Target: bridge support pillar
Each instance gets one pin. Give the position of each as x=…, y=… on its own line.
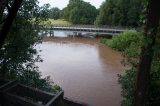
x=51, y=33
x=75, y=33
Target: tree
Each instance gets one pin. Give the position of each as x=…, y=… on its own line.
x=130, y=45
x=80, y=12
x=105, y=16
x=18, y=55
x=150, y=32
x=120, y=13
x=9, y=20
x=54, y=13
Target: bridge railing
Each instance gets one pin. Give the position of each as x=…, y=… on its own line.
x=94, y=26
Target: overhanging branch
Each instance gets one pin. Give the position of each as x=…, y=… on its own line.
x=9, y=20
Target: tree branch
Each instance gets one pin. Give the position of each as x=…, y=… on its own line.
x=9, y=20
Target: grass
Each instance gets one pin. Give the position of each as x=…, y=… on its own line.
x=57, y=22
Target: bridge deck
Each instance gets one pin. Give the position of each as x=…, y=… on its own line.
x=104, y=30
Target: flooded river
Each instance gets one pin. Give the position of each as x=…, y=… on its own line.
x=84, y=68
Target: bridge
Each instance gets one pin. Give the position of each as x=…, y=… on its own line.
x=102, y=30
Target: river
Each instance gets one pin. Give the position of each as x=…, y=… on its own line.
x=84, y=68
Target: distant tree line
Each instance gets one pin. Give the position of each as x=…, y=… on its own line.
x=111, y=12
x=121, y=13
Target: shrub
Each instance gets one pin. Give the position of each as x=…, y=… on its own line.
x=129, y=43
x=124, y=40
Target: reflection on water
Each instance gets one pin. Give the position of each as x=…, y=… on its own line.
x=84, y=68
x=61, y=34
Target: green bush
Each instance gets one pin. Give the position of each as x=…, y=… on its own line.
x=124, y=40
x=129, y=43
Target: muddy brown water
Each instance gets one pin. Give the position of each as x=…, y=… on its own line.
x=84, y=68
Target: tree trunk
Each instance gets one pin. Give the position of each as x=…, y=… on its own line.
x=3, y=4
x=144, y=68
x=9, y=20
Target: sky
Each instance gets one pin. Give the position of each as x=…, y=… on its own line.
x=63, y=3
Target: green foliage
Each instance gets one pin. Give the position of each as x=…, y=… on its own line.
x=56, y=22
x=128, y=81
x=129, y=43
x=54, y=13
x=18, y=55
x=105, y=16
x=120, y=13
x=79, y=12
x=154, y=88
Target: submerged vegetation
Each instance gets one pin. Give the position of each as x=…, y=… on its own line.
x=130, y=43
